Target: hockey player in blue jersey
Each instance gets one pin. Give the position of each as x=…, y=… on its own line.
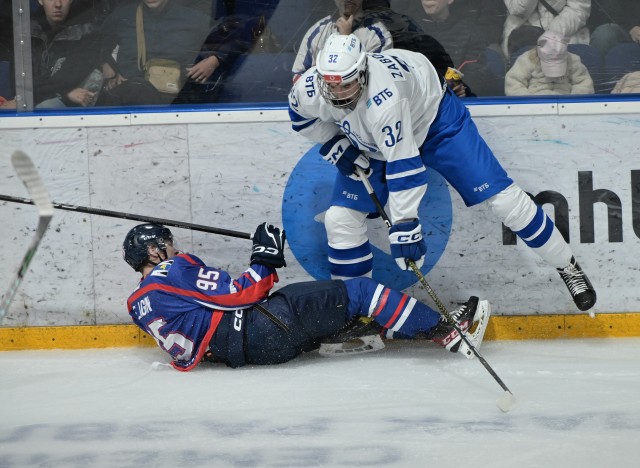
x=197, y=312
x=393, y=116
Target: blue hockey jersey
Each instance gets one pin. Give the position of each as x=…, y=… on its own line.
x=182, y=302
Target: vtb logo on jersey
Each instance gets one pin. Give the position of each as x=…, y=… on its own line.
x=162, y=269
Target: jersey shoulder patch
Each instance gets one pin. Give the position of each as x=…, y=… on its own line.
x=162, y=269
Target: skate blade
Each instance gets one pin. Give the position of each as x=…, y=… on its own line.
x=475, y=334
x=363, y=344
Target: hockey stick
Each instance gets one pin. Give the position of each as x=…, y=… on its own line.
x=133, y=217
x=28, y=174
x=507, y=401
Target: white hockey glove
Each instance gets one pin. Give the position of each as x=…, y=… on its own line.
x=407, y=243
x=268, y=246
x=341, y=153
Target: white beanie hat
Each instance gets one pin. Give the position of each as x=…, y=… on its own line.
x=553, y=53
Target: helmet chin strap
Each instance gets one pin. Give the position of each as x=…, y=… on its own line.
x=166, y=256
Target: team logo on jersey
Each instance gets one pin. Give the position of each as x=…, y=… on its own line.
x=307, y=197
x=162, y=269
x=355, y=139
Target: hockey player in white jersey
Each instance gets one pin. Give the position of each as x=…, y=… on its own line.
x=392, y=115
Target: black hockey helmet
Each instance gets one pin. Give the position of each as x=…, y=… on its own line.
x=136, y=243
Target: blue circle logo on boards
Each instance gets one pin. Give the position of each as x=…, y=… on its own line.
x=308, y=195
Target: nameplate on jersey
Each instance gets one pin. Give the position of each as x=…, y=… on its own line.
x=396, y=66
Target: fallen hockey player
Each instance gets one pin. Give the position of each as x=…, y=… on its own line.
x=197, y=312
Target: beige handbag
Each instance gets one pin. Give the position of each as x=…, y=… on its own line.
x=165, y=75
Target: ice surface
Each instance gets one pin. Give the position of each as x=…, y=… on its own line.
x=410, y=405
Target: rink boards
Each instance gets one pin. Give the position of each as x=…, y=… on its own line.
x=233, y=169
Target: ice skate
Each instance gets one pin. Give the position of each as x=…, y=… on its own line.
x=472, y=318
x=360, y=336
x=579, y=285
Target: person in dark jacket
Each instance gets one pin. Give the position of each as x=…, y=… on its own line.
x=466, y=29
x=408, y=34
x=66, y=59
x=172, y=32
x=613, y=22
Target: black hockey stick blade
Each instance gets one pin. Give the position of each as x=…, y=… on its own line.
x=133, y=217
x=29, y=176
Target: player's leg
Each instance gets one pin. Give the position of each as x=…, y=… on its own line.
x=294, y=320
x=404, y=317
x=456, y=150
x=519, y=213
x=349, y=250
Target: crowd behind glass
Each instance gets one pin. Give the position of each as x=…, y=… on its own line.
x=87, y=53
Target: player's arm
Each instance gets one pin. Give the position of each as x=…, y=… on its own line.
x=405, y=172
x=406, y=180
x=304, y=107
x=267, y=255
x=216, y=289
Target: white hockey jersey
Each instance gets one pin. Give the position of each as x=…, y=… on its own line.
x=390, y=121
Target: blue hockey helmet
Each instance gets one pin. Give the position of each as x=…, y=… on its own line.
x=135, y=248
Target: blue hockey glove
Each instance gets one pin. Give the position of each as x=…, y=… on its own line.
x=341, y=153
x=407, y=243
x=268, y=246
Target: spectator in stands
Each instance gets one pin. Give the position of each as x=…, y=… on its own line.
x=6, y=53
x=172, y=32
x=374, y=38
x=548, y=69
x=629, y=83
x=613, y=22
x=464, y=29
x=378, y=28
x=408, y=34
x=241, y=28
x=528, y=19
x=65, y=57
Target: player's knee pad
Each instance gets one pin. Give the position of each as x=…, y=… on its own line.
x=346, y=228
x=349, y=249
x=513, y=207
x=520, y=214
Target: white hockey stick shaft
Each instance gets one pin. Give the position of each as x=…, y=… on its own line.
x=29, y=176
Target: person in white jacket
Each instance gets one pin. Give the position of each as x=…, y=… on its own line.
x=375, y=37
x=629, y=83
x=524, y=16
x=548, y=69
